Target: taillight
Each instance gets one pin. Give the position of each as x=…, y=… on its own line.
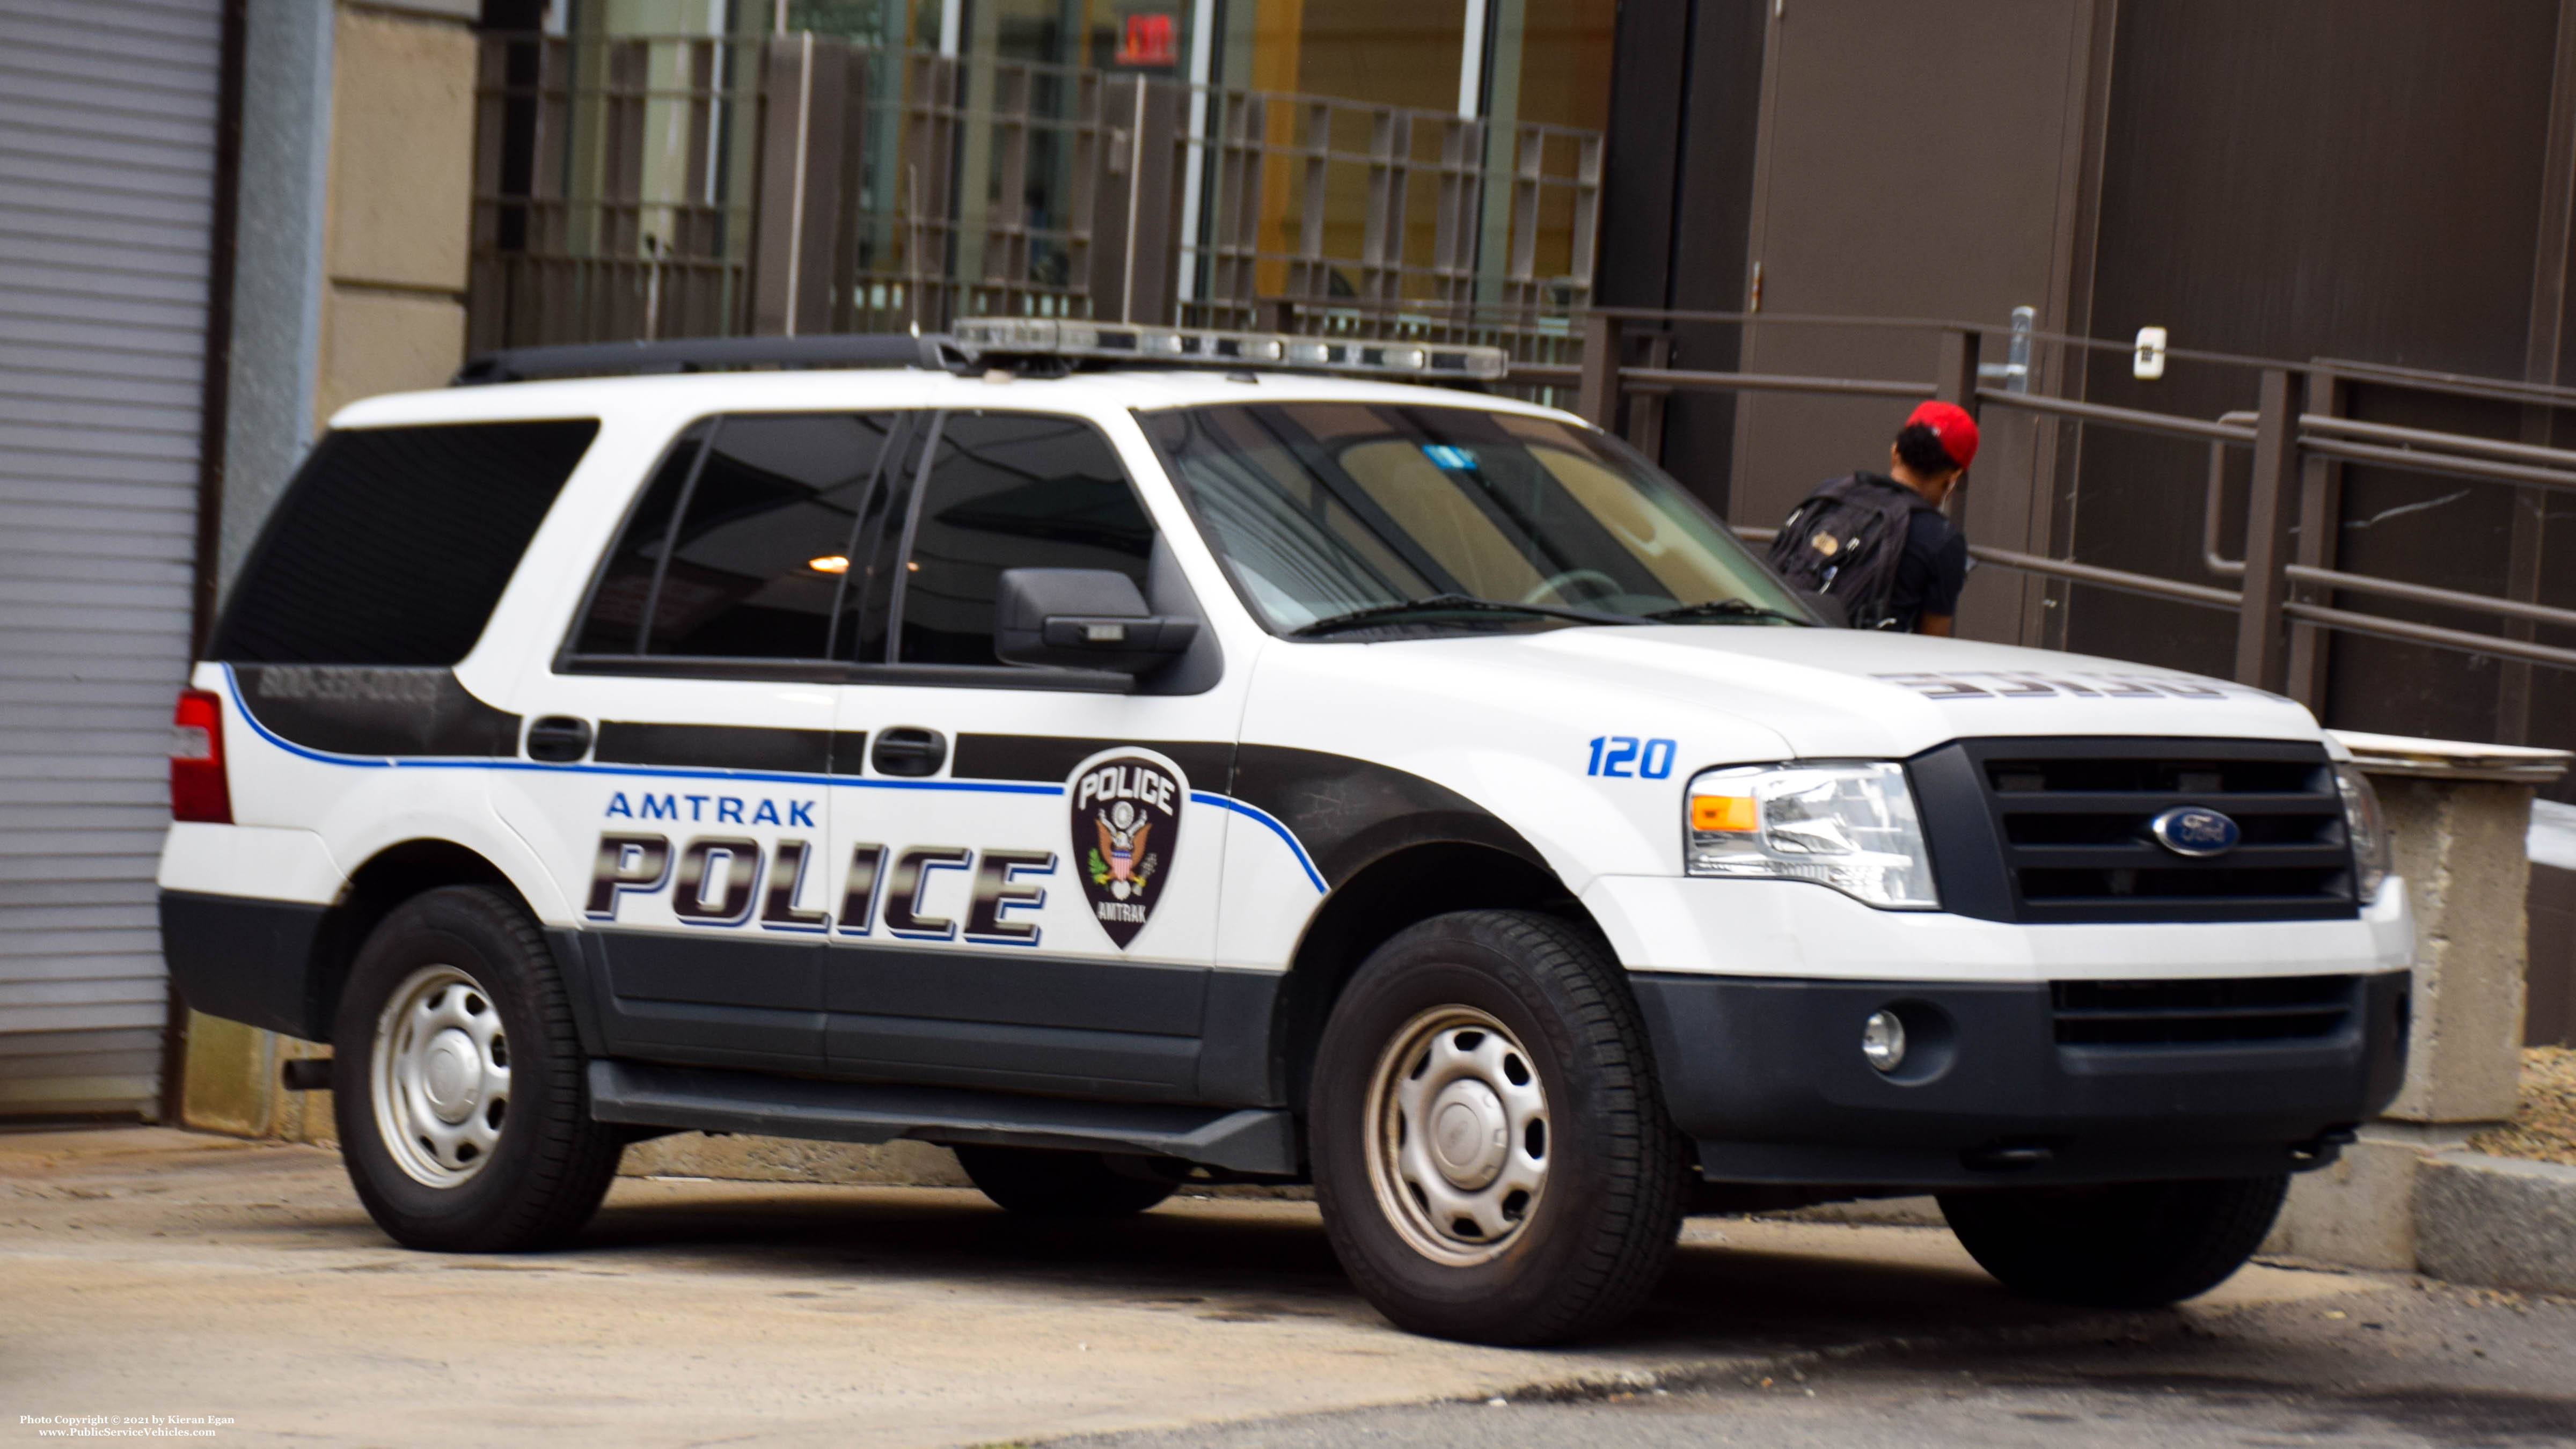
x=198, y=790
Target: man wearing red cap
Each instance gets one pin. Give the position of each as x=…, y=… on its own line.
x=1876, y=547
x=1931, y=454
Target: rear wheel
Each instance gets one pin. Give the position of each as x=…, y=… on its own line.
x=1490, y=1150
x=1044, y=1184
x=2124, y=1245
x=457, y=1081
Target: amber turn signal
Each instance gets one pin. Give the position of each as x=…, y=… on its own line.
x=1723, y=812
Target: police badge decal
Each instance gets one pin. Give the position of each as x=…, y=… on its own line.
x=1126, y=830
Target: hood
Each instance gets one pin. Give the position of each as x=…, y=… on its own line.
x=1852, y=693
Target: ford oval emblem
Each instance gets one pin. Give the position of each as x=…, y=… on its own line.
x=2195, y=830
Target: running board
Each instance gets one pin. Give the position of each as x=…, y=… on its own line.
x=707, y=1100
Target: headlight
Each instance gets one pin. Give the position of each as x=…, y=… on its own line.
x=2368, y=830
x=1847, y=824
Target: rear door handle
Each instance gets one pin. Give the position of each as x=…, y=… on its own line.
x=558, y=739
x=908, y=752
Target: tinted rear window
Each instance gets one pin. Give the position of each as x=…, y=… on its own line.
x=392, y=544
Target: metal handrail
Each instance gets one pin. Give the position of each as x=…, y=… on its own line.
x=1675, y=379
x=2213, y=498
x=2455, y=442
x=2120, y=579
x=2460, y=639
x=2458, y=384
x=2427, y=594
x=2137, y=418
x=2409, y=459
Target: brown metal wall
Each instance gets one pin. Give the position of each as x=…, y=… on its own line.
x=2306, y=178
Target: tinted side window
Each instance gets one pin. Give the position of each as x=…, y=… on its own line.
x=392, y=544
x=614, y=623
x=1005, y=491
x=741, y=544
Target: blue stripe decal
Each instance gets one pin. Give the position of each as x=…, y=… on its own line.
x=1255, y=812
x=995, y=787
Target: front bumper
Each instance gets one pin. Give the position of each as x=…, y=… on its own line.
x=1766, y=1075
x=1788, y=928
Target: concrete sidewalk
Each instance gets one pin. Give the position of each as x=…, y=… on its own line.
x=159, y=1272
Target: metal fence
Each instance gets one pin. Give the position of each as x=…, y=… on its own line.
x=650, y=186
x=2285, y=600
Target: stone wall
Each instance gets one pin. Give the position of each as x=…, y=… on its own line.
x=2459, y=815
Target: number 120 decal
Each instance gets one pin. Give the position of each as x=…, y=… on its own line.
x=1625, y=757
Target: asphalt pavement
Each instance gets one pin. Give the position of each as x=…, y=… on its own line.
x=2421, y=1364
x=147, y=1272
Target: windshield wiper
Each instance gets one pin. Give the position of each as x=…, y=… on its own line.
x=1445, y=603
x=1724, y=609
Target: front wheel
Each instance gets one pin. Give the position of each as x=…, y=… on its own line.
x=1490, y=1151
x=2124, y=1245
x=457, y=1081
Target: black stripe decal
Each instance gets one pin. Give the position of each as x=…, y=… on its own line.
x=1051, y=758
x=1348, y=812
x=719, y=747
x=385, y=711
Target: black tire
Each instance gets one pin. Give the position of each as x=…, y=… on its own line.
x=1590, y=1242
x=1043, y=1184
x=2127, y=1245
x=547, y=1164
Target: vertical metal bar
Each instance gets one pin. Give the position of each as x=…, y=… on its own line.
x=1597, y=392
x=1587, y=217
x=1646, y=410
x=1954, y=380
x=1529, y=172
x=2262, y=645
x=839, y=273
x=781, y=169
x=1382, y=234
x=1006, y=236
x=1135, y=194
x=1310, y=276
x=2526, y=544
x=1453, y=248
x=2320, y=517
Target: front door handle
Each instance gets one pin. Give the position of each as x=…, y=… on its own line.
x=558, y=739
x=908, y=751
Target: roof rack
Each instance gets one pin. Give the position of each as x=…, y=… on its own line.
x=1120, y=343
x=1035, y=343
x=706, y=354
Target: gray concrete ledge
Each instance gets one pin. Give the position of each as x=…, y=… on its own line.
x=2497, y=1222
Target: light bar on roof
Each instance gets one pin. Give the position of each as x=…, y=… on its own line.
x=977, y=337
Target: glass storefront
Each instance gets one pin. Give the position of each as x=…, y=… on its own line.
x=1434, y=153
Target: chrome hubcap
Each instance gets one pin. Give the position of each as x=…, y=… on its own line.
x=440, y=1077
x=1458, y=1127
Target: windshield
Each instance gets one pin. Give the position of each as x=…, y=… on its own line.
x=1334, y=514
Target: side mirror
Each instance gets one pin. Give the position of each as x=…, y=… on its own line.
x=1084, y=619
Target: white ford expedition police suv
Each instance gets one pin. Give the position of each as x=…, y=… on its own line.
x=1136, y=757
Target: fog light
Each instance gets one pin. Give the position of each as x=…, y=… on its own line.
x=1882, y=1041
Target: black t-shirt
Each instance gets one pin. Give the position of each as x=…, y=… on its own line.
x=1933, y=570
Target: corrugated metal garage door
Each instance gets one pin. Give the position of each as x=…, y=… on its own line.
x=107, y=163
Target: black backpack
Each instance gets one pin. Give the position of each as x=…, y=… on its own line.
x=1844, y=543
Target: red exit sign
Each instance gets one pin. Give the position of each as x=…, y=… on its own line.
x=1147, y=40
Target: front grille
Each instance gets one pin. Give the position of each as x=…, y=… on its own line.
x=2201, y=1013
x=2066, y=834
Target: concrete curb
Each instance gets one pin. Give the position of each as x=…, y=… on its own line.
x=2498, y=1222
